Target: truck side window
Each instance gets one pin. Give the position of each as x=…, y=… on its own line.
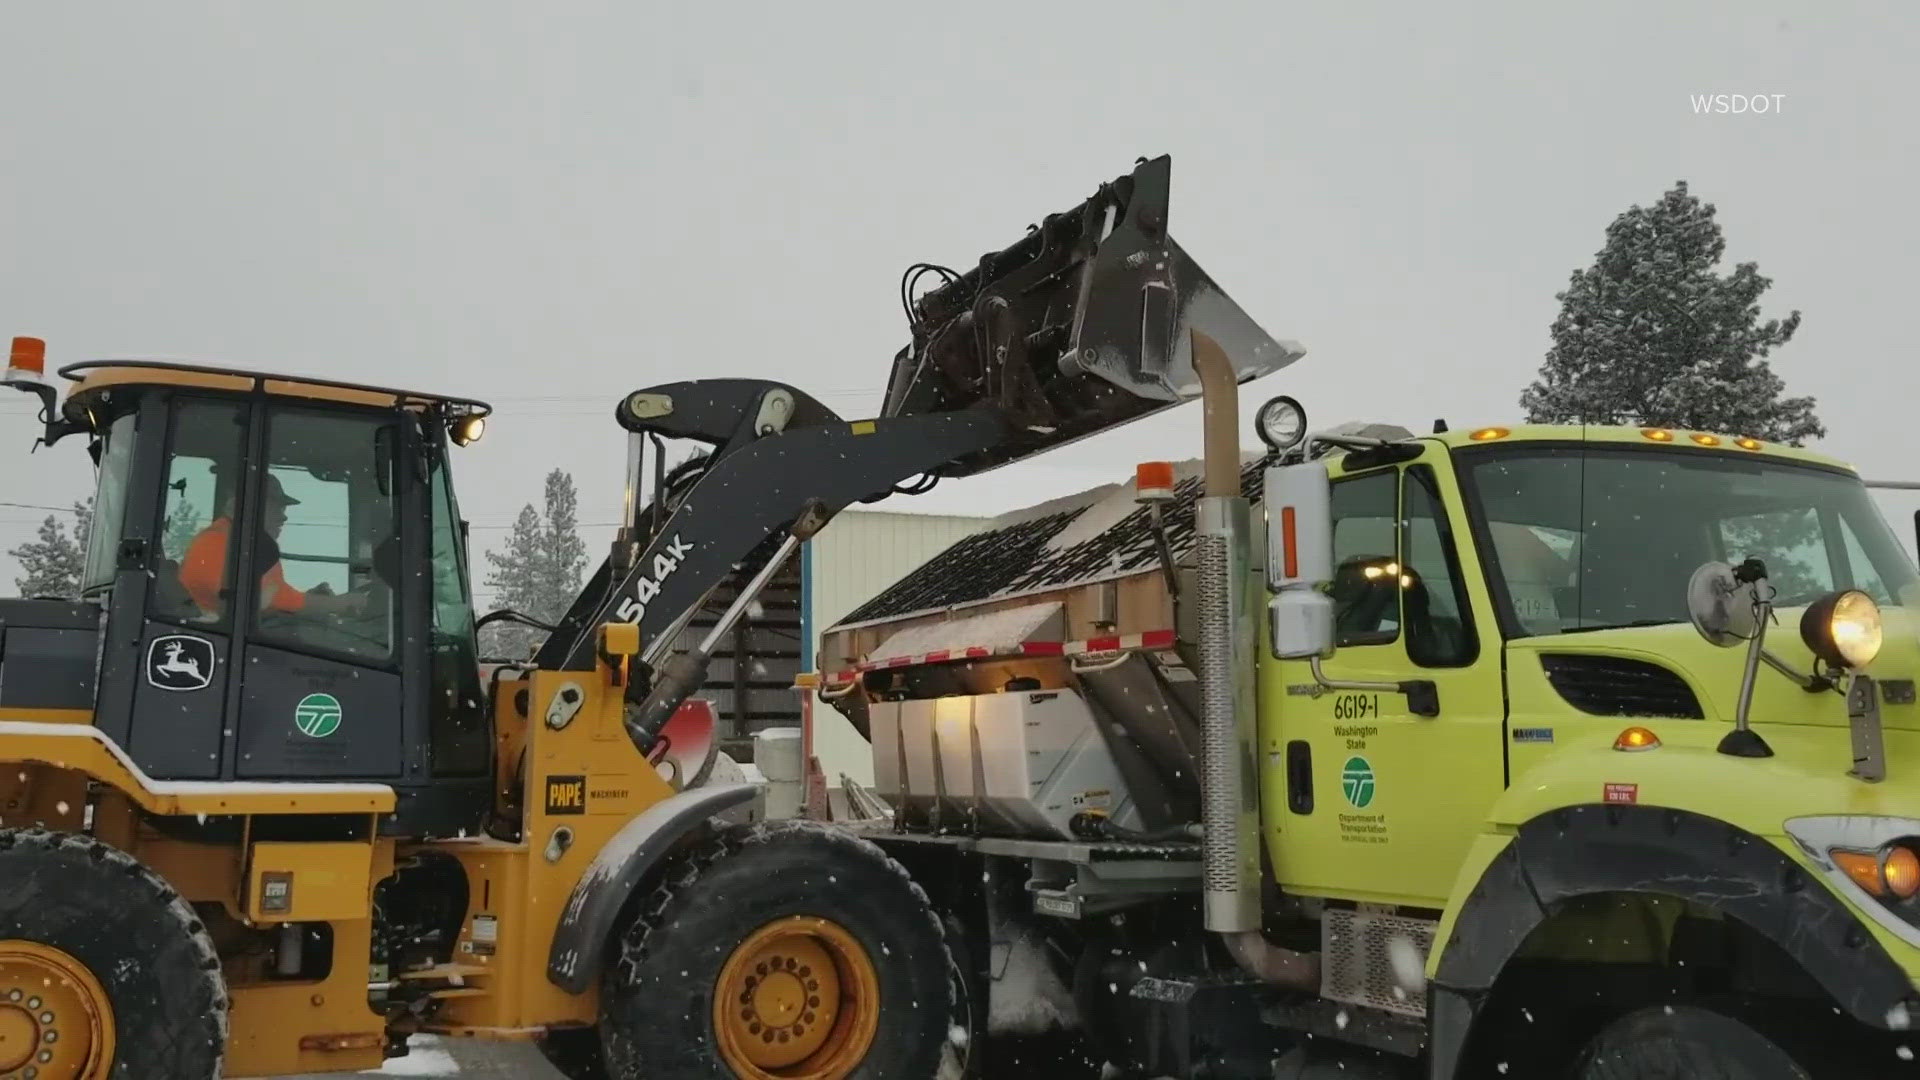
x=1366, y=591
x=1439, y=622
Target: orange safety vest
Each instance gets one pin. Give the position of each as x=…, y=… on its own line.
x=203, y=571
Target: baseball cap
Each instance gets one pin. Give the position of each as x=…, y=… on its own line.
x=275, y=493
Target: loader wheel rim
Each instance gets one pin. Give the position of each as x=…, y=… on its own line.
x=799, y=999
x=56, y=1022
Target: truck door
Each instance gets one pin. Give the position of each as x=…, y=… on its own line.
x=1363, y=798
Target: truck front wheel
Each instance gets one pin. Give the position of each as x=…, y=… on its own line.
x=783, y=952
x=1684, y=1042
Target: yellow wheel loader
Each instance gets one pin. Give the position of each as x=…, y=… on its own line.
x=261, y=812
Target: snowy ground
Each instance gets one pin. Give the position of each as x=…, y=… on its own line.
x=463, y=1059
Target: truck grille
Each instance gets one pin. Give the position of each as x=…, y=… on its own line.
x=1375, y=960
x=1618, y=686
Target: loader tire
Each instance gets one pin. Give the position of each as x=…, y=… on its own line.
x=790, y=951
x=105, y=972
x=575, y=1053
x=1684, y=1042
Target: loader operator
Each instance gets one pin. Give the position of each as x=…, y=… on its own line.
x=203, y=569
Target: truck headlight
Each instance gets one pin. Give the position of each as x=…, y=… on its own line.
x=1281, y=423
x=1843, y=628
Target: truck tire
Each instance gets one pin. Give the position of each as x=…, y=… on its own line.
x=979, y=1055
x=787, y=951
x=104, y=970
x=1684, y=1042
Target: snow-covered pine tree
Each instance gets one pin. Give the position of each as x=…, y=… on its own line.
x=564, y=555
x=184, y=522
x=515, y=581
x=1651, y=334
x=537, y=571
x=51, y=563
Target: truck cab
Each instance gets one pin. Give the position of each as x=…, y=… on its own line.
x=1538, y=578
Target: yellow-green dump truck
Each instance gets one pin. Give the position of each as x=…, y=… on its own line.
x=1531, y=751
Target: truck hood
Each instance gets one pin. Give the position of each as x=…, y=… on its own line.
x=1714, y=673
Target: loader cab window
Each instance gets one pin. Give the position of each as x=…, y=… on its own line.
x=461, y=741
x=204, y=446
x=326, y=552
x=109, y=506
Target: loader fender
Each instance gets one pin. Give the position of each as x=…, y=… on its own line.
x=1586, y=850
x=580, y=940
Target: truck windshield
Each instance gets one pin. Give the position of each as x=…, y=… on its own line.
x=1590, y=538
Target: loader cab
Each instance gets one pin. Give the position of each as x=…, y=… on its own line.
x=285, y=581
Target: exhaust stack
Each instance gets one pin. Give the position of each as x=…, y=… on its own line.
x=1230, y=854
x=1231, y=861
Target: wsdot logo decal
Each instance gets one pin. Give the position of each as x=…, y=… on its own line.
x=317, y=716
x=1356, y=781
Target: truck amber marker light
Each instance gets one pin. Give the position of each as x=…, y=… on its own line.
x=1488, y=434
x=1657, y=434
x=1893, y=871
x=1637, y=738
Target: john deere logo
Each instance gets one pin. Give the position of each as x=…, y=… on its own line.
x=1356, y=779
x=317, y=716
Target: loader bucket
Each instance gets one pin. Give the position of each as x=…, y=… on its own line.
x=1084, y=324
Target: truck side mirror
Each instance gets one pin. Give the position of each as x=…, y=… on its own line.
x=1299, y=505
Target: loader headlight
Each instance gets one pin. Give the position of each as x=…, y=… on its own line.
x=1282, y=423
x=1843, y=628
x=467, y=430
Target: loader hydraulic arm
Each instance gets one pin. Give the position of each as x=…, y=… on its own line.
x=1082, y=325
x=781, y=484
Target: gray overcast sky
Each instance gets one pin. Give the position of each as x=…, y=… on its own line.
x=550, y=205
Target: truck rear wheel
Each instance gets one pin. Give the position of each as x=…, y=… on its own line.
x=1684, y=1042
x=105, y=972
x=780, y=952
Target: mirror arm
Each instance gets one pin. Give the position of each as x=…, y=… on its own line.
x=1812, y=684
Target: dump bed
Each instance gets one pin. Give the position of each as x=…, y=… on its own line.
x=1074, y=575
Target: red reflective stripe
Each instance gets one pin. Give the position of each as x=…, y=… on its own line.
x=1287, y=543
x=1158, y=639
